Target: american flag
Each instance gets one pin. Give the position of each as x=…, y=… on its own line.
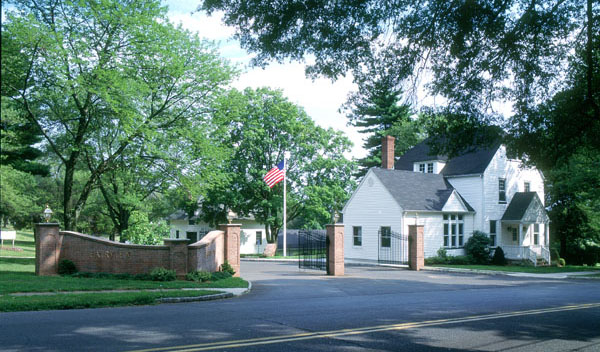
x=274, y=175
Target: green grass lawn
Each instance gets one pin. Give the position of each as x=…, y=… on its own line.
x=24, y=241
x=524, y=269
x=90, y=300
x=18, y=275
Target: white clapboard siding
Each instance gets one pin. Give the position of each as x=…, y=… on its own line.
x=371, y=206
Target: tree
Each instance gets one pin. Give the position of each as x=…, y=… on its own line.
x=260, y=126
x=18, y=201
x=377, y=110
x=80, y=70
x=470, y=53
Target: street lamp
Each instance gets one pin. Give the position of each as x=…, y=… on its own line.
x=336, y=217
x=47, y=213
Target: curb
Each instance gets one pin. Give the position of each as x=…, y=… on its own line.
x=467, y=271
x=205, y=298
x=269, y=260
x=195, y=299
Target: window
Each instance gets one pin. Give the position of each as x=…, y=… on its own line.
x=192, y=222
x=176, y=233
x=502, y=190
x=454, y=230
x=493, y=233
x=258, y=238
x=357, y=235
x=536, y=234
x=430, y=168
x=386, y=236
x=527, y=187
x=422, y=168
x=514, y=234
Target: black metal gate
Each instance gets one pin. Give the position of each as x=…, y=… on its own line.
x=313, y=249
x=393, y=247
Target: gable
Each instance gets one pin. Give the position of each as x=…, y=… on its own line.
x=526, y=207
x=370, y=192
x=455, y=204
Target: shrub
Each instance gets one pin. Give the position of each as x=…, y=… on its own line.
x=226, y=267
x=498, y=258
x=198, y=276
x=220, y=275
x=442, y=253
x=162, y=274
x=561, y=262
x=459, y=260
x=554, y=255
x=142, y=231
x=66, y=267
x=478, y=248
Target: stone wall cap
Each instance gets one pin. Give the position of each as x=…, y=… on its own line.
x=176, y=239
x=47, y=224
x=112, y=243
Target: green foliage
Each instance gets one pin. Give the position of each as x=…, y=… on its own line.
x=19, y=202
x=561, y=262
x=141, y=231
x=442, y=253
x=122, y=88
x=162, y=274
x=554, y=255
x=198, y=276
x=260, y=126
x=478, y=248
x=66, y=267
x=220, y=275
x=498, y=258
x=450, y=260
x=227, y=268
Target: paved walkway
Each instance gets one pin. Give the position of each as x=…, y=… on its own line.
x=233, y=291
x=564, y=275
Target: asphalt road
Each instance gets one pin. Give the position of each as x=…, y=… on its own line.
x=369, y=309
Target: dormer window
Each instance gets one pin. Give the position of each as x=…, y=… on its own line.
x=422, y=167
x=430, y=168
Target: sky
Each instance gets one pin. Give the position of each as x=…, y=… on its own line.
x=321, y=98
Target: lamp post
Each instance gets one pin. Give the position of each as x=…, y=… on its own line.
x=47, y=213
x=336, y=217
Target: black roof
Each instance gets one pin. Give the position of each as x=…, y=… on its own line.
x=519, y=204
x=416, y=190
x=473, y=161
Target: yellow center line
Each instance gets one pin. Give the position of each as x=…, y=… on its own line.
x=358, y=331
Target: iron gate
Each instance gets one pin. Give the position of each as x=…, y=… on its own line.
x=313, y=249
x=393, y=247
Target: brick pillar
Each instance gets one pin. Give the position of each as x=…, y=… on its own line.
x=232, y=245
x=387, y=152
x=335, y=255
x=416, y=248
x=47, y=248
x=178, y=255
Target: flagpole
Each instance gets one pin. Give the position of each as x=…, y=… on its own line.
x=284, y=207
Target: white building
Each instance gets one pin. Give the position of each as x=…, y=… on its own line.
x=480, y=190
x=252, y=237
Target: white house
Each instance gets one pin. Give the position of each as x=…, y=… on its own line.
x=480, y=190
x=252, y=237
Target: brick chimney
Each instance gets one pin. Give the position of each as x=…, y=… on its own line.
x=387, y=152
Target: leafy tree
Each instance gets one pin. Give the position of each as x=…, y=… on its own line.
x=81, y=70
x=142, y=231
x=18, y=202
x=260, y=126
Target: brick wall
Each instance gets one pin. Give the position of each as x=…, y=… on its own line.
x=94, y=254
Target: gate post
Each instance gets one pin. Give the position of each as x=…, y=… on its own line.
x=335, y=250
x=232, y=245
x=416, y=253
x=47, y=248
